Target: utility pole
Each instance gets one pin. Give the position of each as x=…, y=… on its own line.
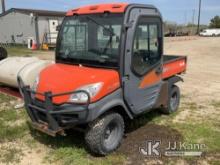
x=198, y=29
x=193, y=16
x=193, y=30
x=3, y=5
x=185, y=17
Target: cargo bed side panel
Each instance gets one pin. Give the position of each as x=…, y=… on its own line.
x=174, y=67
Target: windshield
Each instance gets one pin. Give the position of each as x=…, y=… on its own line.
x=90, y=40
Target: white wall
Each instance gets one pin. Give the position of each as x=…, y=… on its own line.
x=43, y=25
x=19, y=25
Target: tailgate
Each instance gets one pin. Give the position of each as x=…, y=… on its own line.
x=173, y=65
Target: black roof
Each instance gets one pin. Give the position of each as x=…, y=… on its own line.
x=34, y=11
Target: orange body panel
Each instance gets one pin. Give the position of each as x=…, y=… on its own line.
x=60, y=78
x=172, y=68
x=150, y=79
x=100, y=8
x=169, y=69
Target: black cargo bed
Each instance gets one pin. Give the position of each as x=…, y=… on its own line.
x=172, y=58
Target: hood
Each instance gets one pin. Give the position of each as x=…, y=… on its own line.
x=61, y=78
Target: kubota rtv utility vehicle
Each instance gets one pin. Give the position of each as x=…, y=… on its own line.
x=109, y=67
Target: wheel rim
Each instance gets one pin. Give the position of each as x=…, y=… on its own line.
x=111, y=135
x=174, y=101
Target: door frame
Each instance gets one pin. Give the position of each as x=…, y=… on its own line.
x=148, y=11
x=160, y=42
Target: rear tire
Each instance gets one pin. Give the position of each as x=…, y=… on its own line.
x=173, y=100
x=104, y=135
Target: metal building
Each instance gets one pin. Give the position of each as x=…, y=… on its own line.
x=22, y=25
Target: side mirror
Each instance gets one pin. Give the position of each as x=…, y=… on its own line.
x=58, y=28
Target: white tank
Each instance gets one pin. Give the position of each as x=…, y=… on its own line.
x=27, y=68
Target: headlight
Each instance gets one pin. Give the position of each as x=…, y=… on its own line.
x=36, y=82
x=82, y=97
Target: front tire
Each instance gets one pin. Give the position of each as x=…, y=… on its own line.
x=104, y=135
x=173, y=100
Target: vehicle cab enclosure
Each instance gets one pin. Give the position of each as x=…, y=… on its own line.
x=108, y=58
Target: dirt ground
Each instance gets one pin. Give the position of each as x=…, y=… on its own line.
x=200, y=106
x=202, y=81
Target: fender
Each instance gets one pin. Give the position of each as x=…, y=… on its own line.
x=173, y=80
x=109, y=102
x=164, y=91
x=112, y=104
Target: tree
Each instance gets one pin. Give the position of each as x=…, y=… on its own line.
x=215, y=22
x=170, y=26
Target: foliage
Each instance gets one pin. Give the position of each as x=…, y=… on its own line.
x=215, y=22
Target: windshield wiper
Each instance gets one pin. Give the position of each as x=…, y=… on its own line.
x=105, y=28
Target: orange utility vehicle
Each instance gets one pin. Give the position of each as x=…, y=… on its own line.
x=109, y=68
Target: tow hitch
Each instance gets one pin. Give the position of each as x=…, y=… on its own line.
x=45, y=129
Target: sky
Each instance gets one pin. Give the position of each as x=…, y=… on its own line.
x=172, y=10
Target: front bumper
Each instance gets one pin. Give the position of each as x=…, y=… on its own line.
x=50, y=118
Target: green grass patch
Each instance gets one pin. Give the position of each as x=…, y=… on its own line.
x=10, y=129
x=18, y=51
x=191, y=105
x=202, y=134
x=214, y=162
x=5, y=98
x=12, y=133
x=8, y=115
x=215, y=103
x=79, y=156
x=68, y=155
x=10, y=155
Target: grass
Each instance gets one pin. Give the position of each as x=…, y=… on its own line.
x=200, y=133
x=71, y=149
x=10, y=155
x=8, y=116
x=18, y=51
x=5, y=98
x=215, y=103
x=10, y=131
x=215, y=162
x=206, y=132
x=21, y=51
x=8, y=134
x=74, y=156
